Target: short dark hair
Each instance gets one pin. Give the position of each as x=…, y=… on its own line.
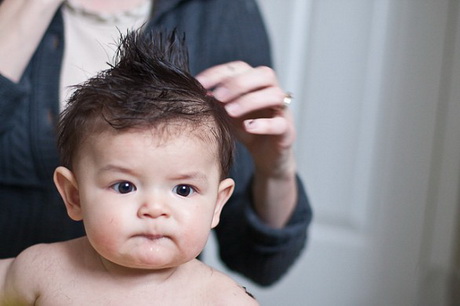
x=148, y=87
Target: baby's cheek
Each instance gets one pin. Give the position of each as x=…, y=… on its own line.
x=104, y=243
x=103, y=232
x=194, y=242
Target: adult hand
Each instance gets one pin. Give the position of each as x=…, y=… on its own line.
x=254, y=99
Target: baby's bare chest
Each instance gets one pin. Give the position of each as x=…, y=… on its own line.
x=89, y=293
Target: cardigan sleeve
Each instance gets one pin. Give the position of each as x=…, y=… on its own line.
x=250, y=247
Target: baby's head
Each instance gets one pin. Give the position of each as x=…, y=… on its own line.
x=146, y=151
x=148, y=87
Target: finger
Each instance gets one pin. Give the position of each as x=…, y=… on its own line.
x=276, y=126
x=271, y=97
x=266, y=126
x=215, y=75
x=244, y=82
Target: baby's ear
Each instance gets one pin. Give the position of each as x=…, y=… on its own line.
x=226, y=188
x=67, y=186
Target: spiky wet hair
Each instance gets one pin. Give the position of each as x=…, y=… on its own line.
x=149, y=86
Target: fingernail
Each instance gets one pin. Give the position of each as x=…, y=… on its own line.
x=249, y=123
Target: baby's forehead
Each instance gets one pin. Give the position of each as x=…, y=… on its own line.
x=163, y=133
x=203, y=133
x=141, y=153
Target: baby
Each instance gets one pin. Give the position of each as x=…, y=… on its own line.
x=145, y=156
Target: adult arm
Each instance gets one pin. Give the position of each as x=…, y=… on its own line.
x=264, y=226
x=22, y=25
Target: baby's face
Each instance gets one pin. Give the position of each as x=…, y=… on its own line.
x=149, y=204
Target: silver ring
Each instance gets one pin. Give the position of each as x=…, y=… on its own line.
x=287, y=99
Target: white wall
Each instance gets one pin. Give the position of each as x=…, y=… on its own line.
x=378, y=114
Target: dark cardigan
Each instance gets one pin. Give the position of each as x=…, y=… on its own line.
x=31, y=211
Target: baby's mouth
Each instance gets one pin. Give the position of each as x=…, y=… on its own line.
x=150, y=236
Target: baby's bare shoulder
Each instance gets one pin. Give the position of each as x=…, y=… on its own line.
x=24, y=276
x=223, y=290
x=51, y=260
x=46, y=257
x=33, y=260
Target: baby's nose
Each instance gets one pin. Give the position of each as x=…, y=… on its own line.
x=153, y=206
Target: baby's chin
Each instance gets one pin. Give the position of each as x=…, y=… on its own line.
x=137, y=266
x=149, y=261
x=148, y=253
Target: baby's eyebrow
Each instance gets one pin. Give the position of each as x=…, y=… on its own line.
x=190, y=176
x=115, y=168
x=193, y=175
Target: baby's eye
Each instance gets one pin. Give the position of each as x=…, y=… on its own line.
x=124, y=187
x=183, y=190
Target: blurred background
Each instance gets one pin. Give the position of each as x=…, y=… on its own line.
x=377, y=106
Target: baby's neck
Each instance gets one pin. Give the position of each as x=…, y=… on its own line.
x=127, y=274
x=121, y=274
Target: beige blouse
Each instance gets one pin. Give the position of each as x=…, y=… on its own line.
x=91, y=40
